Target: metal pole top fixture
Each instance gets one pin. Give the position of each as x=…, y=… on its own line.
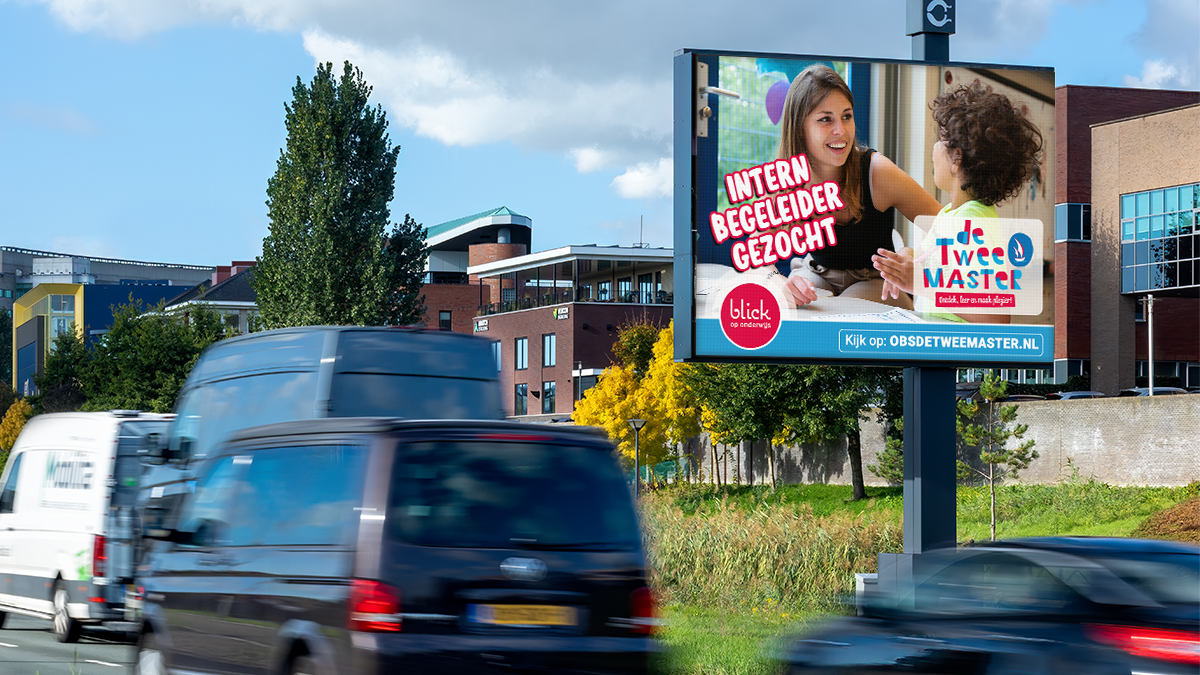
x=930, y=23
x=637, y=423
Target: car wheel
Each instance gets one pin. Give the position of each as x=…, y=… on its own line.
x=66, y=629
x=302, y=665
x=150, y=657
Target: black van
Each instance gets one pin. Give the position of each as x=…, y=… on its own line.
x=314, y=372
x=373, y=545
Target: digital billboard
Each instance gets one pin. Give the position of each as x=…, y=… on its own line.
x=848, y=211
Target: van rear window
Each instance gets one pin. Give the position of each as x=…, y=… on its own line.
x=413, y=396
x=477, y=494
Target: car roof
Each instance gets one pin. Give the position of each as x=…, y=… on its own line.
x=1142, y=391
x=1097, y=545
x=379, y=425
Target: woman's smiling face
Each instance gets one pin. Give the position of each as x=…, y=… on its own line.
x=829, y=130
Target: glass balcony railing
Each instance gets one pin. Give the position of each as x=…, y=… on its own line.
x=565, y=295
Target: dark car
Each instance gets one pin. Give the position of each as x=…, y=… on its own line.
x=378, y=545
x=1047, y=605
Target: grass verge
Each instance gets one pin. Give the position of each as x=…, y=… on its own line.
x=738, y=569
x=702, y=641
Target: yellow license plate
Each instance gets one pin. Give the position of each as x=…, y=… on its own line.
x=525, y=615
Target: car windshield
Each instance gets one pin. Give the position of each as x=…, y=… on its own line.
x=503, y=494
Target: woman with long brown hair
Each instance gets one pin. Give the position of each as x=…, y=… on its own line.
x=818, y=122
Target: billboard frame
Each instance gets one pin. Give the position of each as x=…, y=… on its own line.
x=691, y=150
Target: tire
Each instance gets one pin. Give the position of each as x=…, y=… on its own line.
x=66, y=629
x=302, y=665
x=150, y=659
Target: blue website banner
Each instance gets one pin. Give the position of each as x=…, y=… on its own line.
x=953, y=344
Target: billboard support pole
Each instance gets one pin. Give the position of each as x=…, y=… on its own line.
x=930, y=518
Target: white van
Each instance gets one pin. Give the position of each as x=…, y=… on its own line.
x=68, y=530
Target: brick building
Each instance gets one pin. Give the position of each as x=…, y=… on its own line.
x=1121, y=152
x=553, y=316
x=452, y=297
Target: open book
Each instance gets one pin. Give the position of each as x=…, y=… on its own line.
x=713, y=283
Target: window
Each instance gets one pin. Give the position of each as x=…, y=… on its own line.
x=646, y=288
x=207, y=413
x=206, y=514
x=330, y=477
x=521, y=403
x=522, y=351
x=604, y=291
x=624, y=289
x=496, y=351
x=1159, y=248
x=549, y=343
x=62, y=314
x=444, y=320
x=475, y=493
x=1073, y=222
x=548, y=397
x=8, y=497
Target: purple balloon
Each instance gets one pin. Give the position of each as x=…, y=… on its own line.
x=775, y=96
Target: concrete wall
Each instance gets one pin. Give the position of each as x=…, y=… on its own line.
x=1119, y=441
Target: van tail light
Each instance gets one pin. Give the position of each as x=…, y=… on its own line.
x=643, y=614
x=374, y=607
x=1180, y=646
x=99, y=557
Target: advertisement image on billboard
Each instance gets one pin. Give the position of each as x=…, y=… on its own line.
x=865, y=212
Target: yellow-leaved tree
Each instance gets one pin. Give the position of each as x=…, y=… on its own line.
x=679, y=412
x=10, y=427
x=617, y=398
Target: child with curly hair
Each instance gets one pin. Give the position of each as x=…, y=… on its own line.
x=987, y=150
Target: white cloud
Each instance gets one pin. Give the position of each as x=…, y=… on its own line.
x=591, y=82
x=591, y=159
x=646, y=180
x=1156, y=74
x=1169, y=35
x=64, y=119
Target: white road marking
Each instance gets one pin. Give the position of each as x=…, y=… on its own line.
x=103, y=663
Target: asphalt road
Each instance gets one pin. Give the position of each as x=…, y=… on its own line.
x=27, y=647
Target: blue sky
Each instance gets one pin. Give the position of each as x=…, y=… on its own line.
x=147, y=130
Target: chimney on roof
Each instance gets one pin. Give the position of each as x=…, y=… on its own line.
x=236, y=267
x=222, y=273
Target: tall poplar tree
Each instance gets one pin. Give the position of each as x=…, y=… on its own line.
x=328, y=258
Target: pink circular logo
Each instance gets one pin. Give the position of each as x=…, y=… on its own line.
x=750, y=316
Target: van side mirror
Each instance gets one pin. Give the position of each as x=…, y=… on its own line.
x=154, y=451
x=173, y=536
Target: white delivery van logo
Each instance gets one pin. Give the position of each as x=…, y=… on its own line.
x=68, y=471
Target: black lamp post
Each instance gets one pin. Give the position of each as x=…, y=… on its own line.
x=637, y=425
